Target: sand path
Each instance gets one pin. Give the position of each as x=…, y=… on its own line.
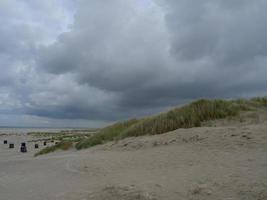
x=200, y=163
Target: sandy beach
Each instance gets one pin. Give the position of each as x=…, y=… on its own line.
x=222, y=162
x=137, y=100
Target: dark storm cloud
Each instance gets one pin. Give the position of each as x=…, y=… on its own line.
x=123, y=59
x=108, y=40
x=173, y=51
x=231, y=32
x=22, y=30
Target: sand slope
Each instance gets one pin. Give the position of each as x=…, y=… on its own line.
x=225, y=162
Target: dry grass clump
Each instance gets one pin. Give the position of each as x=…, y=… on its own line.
x=63, y=145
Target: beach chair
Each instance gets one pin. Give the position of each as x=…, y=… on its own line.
x=23, y=149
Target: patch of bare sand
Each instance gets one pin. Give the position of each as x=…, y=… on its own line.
x=222, y=162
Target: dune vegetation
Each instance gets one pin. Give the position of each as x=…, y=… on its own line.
x=106, y=134
x=187, y=116
x=63, y=145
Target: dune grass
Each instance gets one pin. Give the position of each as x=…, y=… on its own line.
x=260, y=101
x=188, y=116
x=106, y=134
x=63, y=145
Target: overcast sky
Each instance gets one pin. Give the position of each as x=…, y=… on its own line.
x=92, y=62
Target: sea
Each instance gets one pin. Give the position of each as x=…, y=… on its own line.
x=24, y=130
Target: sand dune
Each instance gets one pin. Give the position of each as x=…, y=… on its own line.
x=223, y=162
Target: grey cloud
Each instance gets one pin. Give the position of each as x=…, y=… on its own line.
x=175, y=51
x=122, y=59
x=108, y=40
x=21, y=32
x=231, y=32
